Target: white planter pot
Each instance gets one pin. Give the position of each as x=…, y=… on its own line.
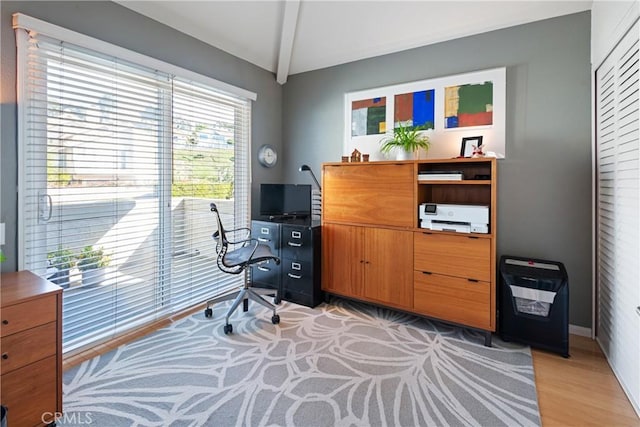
x=404, y=155
x=94, y=277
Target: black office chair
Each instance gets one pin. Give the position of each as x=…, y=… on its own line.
x=236, y=261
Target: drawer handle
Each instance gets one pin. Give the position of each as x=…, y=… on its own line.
x=5, y=322
x=295, y=245
x=473, y=280
x=296, y=266
x=473, y=237
x=264, y=230
x=294, y=276
x=261, y=268
x=262, y=239
x=296, y=234
x=427, y=272
x=427, y=232
x=5, y=356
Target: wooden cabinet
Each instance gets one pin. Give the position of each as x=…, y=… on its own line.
x=369, y=263
x=375, y=250
x=31, y=343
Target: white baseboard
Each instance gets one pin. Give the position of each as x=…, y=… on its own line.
x=580, y=330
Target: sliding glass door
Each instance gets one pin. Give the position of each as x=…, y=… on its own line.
x=118, y=166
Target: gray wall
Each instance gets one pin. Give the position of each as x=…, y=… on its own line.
x=545, y=181
x=118, y=25
x=544, y=190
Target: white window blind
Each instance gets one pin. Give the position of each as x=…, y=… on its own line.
x=618, y=211
x=118, y=165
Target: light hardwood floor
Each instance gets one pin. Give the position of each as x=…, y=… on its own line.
x=580, y=391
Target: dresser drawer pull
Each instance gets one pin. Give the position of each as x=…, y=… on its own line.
x=262, y=239
x=473, y=280
x=473, y=237
x=5, y=356
x=295, y=245
x=294, y=276
x=427, y=272
x=261, y=268
x=296, y=234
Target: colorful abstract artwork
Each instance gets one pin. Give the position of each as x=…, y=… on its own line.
x=368, y=116
x=468, y=105
x=415, y=109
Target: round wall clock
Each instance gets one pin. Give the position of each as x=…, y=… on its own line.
x=267, y=156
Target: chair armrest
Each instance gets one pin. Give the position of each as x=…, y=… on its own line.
x=246, y=238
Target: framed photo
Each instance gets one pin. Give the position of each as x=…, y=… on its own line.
x=466, y=148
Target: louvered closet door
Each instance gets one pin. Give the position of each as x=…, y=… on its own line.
x=618, y=212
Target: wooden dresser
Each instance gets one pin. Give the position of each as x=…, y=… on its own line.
x=31, y=348
x=374, y=249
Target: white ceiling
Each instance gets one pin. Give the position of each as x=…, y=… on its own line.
x=294, y=36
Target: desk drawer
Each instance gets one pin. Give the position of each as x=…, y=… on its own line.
x=29, y=346
x=26, y=315
x=30, y=391
x=454, y=299
x=296, y=243
x=267, y=233
x=460, y=256
x=297, y=276
x=266, y=272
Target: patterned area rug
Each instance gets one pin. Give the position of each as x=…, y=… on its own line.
x=340, y=364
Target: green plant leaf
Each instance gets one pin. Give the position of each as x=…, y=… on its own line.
x=407, y=138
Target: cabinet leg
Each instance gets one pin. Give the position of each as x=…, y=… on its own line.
x=487, y=339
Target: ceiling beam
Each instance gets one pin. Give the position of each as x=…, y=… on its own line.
x=289, y=23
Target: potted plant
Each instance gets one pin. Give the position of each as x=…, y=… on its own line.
x=59, y=263
x=406, y=142
x=93, y=263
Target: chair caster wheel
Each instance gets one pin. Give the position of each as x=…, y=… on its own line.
x=275, y=319
x=277, y=301
x=208, y=313
x=228, y=329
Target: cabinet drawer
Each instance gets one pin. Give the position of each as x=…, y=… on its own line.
x=26, y=315
x=29, y=346
x=297, y=275
x=266, y=272
x=296, y=243
x=460, y=256
x=454, y=299
x=267, y=233
x=30, y=391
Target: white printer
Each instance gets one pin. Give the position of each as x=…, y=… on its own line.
x=459, y=218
